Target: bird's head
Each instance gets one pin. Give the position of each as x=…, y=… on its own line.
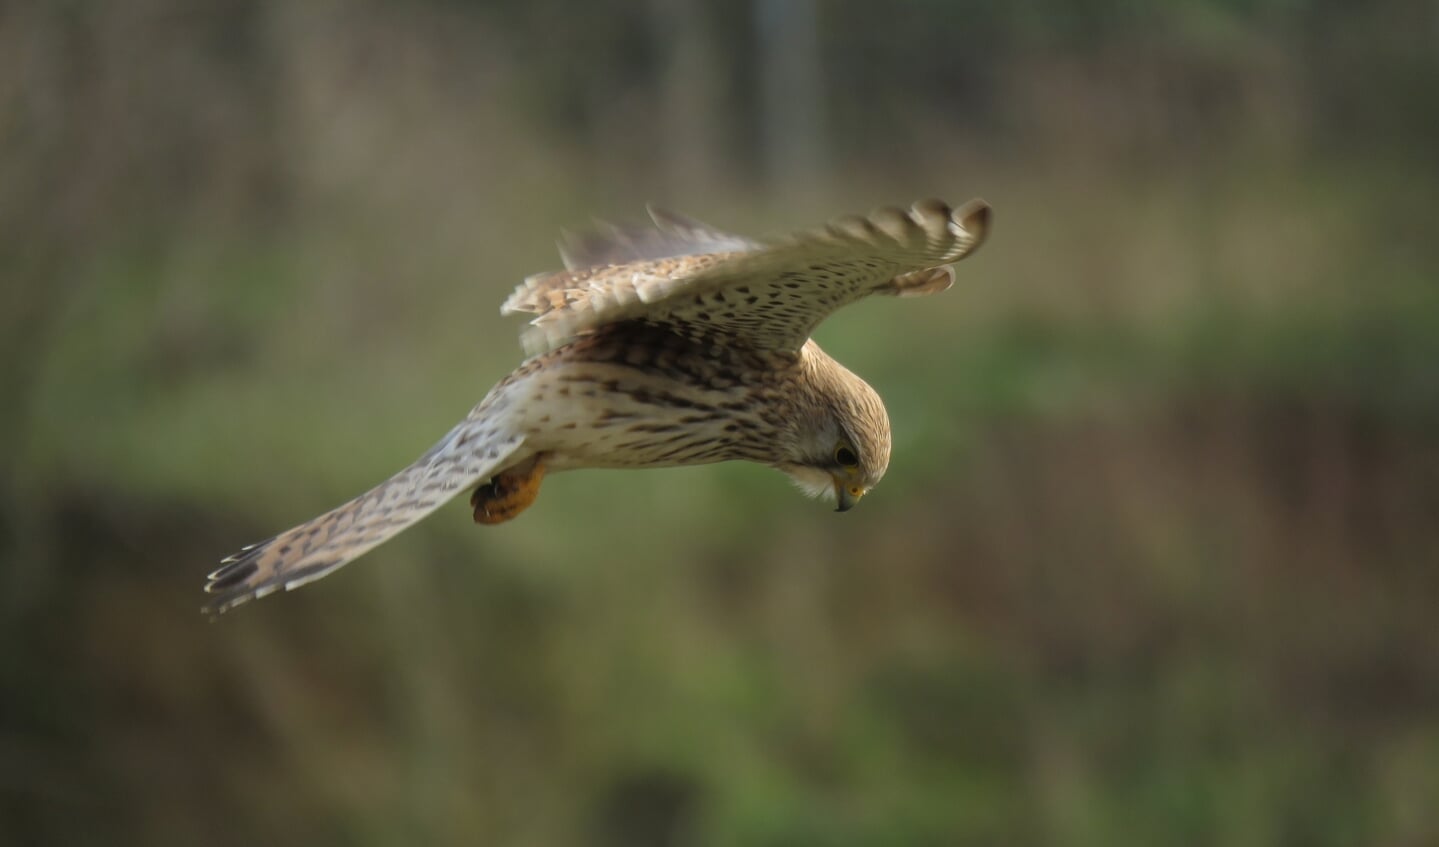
x=840, y=447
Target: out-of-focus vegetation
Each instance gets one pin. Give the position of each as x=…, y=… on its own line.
x=1155, y=562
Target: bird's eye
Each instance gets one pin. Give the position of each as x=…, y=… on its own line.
x=845, y=457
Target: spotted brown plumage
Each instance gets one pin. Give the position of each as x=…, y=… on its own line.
x=676, y=344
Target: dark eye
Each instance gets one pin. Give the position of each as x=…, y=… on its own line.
x=846, y=457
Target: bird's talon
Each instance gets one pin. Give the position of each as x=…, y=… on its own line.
x=509, y=493
x=483, y=493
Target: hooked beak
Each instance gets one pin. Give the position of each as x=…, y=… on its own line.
x=846, y=494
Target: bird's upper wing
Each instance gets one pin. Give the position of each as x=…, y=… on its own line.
x=469, y=453
x=765, y=295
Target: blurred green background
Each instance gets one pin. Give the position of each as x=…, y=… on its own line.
x=1156, y=562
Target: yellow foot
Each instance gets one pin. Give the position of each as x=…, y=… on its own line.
x=509, y=493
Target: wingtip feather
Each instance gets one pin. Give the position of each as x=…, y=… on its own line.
x=974, y=217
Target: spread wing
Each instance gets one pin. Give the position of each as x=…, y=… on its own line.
x=471, y=452
x=765, y=295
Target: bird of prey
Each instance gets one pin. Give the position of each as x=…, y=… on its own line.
x=675, y=344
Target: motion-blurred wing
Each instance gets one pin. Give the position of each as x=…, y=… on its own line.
x=673, y=234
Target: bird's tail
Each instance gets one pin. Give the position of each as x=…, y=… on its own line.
x=313, y=549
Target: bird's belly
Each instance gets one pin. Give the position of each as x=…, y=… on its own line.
x=604, y=415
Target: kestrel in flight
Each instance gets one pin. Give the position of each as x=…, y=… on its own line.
x=669, y=345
